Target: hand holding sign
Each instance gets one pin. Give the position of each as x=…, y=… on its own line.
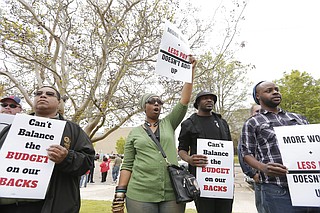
x=57, y=153
x=274, y=169
x=198, y=160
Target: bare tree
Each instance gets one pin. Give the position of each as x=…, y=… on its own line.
x=99, y=54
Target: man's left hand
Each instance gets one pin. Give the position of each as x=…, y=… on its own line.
x=57, y=153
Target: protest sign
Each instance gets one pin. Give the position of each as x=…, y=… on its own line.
x=25, y=168
x=300, y=151
x=173, y=57
x=5, y=120
x=217, y=179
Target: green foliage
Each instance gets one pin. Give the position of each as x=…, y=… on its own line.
x=120, y=145
x=300, y=94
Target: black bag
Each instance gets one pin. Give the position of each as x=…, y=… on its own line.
x=184, y=184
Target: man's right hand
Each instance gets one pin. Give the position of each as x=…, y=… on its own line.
x=274, y=169
x=256, y=178
x=198, y=160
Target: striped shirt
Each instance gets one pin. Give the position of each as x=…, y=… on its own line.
x=259, y=140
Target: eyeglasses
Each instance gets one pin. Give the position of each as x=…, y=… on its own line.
x=48, y=93
x=154, y=100
x=10, y=105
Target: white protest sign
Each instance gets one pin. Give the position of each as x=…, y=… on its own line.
x=173, y=57
x=217, y=179
x=300, y=151
x=25, y=169
x=5, y=120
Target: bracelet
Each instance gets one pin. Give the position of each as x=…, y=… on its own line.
x=121, y=189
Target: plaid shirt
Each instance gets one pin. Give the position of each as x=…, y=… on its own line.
x=259, y=140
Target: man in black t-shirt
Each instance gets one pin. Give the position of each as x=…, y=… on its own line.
x=208, y=125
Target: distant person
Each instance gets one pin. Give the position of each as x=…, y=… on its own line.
x=91, y=173
x=116, y=168
x=260, y=149
x=104, y=168
x=144, y=181
x=250, y=172
x=10, y=105
x=72, y=157
x=208, y=125
x=84, y=179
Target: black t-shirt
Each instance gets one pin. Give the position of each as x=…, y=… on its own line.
x=210, y=127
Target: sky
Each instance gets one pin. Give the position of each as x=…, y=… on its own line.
x=279, y=36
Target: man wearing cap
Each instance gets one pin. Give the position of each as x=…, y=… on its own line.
x=209, y=125
x=73, y=157
x=260, y=149
x=10, y=105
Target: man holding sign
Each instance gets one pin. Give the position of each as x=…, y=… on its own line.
x=206, y=125
x=260, y=149
x=72, y=158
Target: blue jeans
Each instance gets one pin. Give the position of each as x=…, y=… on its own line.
x=84, y=178
x=115, y=172
x=277, y=200
x=134, y=206
x=258, y=197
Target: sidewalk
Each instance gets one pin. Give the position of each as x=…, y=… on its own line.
x=243, y=196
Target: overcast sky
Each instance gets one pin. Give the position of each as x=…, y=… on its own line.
x=281, y=36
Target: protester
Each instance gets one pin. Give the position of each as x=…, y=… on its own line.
x=104, y=168
x=250, y=172
x=144, y=179
x=116, y=168
x=10, y=105
x=208, y=125
x=260, y=149
x=72, y=158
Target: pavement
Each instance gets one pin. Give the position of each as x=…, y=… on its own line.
x=243, y=193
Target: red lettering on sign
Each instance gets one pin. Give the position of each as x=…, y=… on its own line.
x=173, y=51
x=307, y=165
x=215, y=188
x=18, y=182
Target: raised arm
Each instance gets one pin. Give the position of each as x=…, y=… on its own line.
x=187, y=87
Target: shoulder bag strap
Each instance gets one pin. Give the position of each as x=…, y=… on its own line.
x=156, y=141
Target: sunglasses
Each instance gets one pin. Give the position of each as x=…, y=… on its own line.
x=10, y=105
x=47, y=93
x=154, y=100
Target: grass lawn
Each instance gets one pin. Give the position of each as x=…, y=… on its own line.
x=98, y=206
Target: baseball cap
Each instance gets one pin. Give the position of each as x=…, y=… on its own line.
x=12, y=97
x=204, y=93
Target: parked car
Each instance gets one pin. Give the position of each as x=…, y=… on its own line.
x=249, y=180
x=182, y=162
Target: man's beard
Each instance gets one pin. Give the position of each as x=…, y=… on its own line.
x=271, y=104
x=206, y=109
